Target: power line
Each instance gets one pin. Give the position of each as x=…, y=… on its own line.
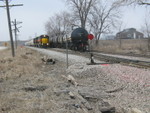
x=13, y=5
x=15, y=23
x=9, y=24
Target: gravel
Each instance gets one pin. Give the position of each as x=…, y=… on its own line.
x=62, y=56
x=29, y=85
x=134, y=83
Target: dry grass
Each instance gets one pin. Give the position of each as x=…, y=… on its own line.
x=24, y=63
x=126, y=46
x=27, y=85
x=23, y=71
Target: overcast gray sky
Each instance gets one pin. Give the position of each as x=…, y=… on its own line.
x=35, y=13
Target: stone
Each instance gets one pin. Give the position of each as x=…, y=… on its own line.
x=135, y=110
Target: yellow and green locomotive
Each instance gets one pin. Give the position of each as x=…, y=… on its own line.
x=41, y=41
x=44, y=41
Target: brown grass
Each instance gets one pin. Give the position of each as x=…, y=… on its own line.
x=125, y=46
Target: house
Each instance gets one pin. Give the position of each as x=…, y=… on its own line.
x=130, y=33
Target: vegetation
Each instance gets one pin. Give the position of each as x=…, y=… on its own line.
x=97, y=16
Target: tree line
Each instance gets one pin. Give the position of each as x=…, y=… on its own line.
x=97, y=16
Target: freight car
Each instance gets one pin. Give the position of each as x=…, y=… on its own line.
x=77, y=41
x=29, y=43
x=79, y=38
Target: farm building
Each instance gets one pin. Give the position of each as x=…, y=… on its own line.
x=130, y=33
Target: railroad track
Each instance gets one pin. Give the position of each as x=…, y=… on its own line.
x=125, y=61
x=111, y=59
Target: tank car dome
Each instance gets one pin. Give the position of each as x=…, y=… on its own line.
x=79, y=34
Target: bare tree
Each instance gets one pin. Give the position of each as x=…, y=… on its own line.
x=136, y=2
x=103, y=17
x=58, y=25
x=120, y=28
x=67, y=22
x=81, y=9
x=50, y=25
x=146, y=28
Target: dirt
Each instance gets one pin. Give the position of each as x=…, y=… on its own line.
x=28, y=85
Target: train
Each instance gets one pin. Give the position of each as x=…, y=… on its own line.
x=41, y=41
x=78, y=41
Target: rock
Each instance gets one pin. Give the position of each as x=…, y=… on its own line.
x=48, y=60
x=71, y=79
x=77, y=105
x=105, y=107
x=1, y=80
x=72, y=96
x=134, y=110
x=108, y=109
x=58, y=93
x=38, y=88
x=28, y=53
x=24, y=56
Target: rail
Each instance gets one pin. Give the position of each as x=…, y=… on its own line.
x=131, y=62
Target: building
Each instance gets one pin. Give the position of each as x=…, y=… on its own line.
x=130, y=33
x=109, y=37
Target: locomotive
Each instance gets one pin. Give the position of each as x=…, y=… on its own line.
x=78, y=40
x=41, y=41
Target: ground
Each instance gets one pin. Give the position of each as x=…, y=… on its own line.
x=26, y=83
x=29, y=85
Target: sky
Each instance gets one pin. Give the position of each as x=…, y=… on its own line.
x=35, y=13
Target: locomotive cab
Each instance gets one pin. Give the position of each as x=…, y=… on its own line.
x=44, y=41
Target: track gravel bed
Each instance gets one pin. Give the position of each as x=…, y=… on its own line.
x=134, y=82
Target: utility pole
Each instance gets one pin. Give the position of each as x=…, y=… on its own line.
x=9, y=24
x=15, y=33
x=67, y=51
x=15, y=23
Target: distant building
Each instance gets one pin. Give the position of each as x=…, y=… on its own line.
x=110, y=37
x=130, y=33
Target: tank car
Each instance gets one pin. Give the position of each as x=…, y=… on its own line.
x=56, y=40
x=79, y=38
x=29, y=43
x=35, y=41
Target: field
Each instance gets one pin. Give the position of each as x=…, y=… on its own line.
x=124, y=46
